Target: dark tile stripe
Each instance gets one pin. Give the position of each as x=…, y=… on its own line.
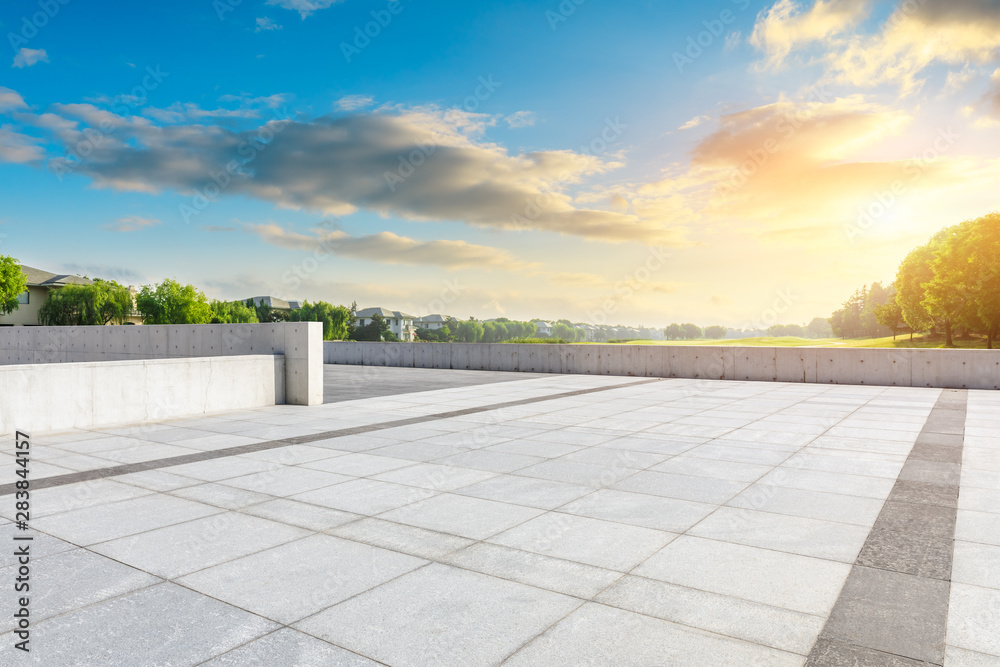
x=893, y=609
x=101, y=473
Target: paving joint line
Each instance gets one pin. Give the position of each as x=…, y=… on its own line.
x=893, y=608
x=156, y=464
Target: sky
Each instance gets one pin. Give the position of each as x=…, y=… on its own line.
x=731, y=162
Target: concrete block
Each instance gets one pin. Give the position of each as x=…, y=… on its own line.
x=533, y=358
x=956, y=369
x=657, y=361
x=393, y=354
x=795, y=364
x=586, y=360
x=373, y=354
x=702, y=362
x=304, y=363
x=479, y=357
x=440, y=355
x=504, y=357
x=864, y=366
x=633, y=361
x=423, y=354
x=755, y=364
x=460, y=357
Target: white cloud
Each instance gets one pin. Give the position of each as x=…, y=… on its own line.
x=414, y=163
x=694, y=122
x=354, y=102
x=304, y=7
x=179, y=112
x=520, y=119
x=28, y=57
x=265, y=24
x=915, y=36
x=131, y=223
x=19, y=148
x=11, y=100
x=388, y=248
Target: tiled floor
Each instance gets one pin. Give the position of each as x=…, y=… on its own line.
x=676, y=522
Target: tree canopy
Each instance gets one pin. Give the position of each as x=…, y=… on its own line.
x=103, y=302
x=173, y=303
x=337, y=320
x=13, y=283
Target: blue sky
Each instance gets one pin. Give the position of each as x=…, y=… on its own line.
x=568, y=160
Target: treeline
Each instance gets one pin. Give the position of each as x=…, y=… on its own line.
x=949, y=286
x=497, y=331
x=169, y=302
x=860, y=317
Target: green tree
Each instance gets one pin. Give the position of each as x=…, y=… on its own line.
x=819, y=328
x=233, y=312
x=715, y=332
x=984, y=269
x=335, y=319
x=914, y=272
x=674, y=332
x=691, y=331
x=13, y=284
x=376, y=330
x=490, y=332
x=173, y=303
x=103, y=302
x=890, y=315
x=565, y=330
x=947, y=294
x=469, y=331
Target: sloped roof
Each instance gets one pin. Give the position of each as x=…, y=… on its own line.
x=433, y=318
x=276, y=303
x=39, y=278
x=384, y=312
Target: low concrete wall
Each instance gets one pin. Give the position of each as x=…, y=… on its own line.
x=49, y=397
x=961, y=369
x=301, y=343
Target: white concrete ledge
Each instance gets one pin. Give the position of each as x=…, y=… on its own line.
x=301, y=343
x=49, y=397
x=957, y=369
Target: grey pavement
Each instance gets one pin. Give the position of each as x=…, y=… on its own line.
x=667, y=522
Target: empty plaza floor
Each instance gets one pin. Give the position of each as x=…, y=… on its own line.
x=433, y=518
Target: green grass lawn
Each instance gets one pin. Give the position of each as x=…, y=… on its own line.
x=790, y=341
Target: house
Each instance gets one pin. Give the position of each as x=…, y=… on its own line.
x=40, y=284
x=399, y=323
x=432, y=322
x=544, y=328
x=275, y=303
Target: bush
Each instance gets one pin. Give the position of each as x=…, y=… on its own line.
x=538, y=341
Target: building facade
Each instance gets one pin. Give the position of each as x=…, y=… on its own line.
x=399, y=323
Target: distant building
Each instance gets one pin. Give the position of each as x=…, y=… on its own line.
x=399, y=323
x=275, y=303
x=544, y=328
x=40, y=284
x=432, y=322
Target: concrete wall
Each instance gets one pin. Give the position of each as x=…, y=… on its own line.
x=968, y=369
x=301, y=343
x=49, y=397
